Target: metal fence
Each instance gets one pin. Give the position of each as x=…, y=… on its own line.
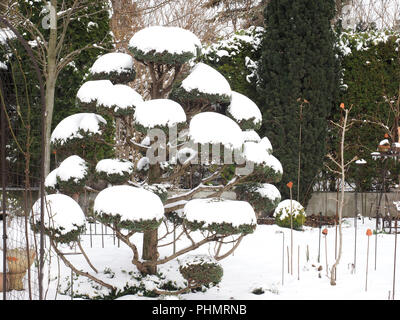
x=22, y=107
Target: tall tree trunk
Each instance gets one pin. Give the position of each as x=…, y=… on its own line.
x=51, y=78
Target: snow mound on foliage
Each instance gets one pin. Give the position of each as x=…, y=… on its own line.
x=112, y=62
x=90, y=91
x=159, y=112
x=251, y=135
x=207, y=80
x=214, y=128
x=114, y=166
x=74, y=167
x=216, y=210
x=61, y=212
x=287, y=207
x=242, y=108
x=119, y=96
x=259, y=153
x=269, y=191
x=51, y=179
x=71, y=126
x=173, y=40
x=196, y=259
x=129, y=203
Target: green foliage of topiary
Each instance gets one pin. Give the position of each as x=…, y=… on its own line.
x=220, y=228
x=262, y=205
x=137, y=226
x=58, y=234
x=202, y=274
x=247, y=124
x=161, y=58
x=121, y=77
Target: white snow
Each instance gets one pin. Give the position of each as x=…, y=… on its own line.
x=384, y=142
x=251, y=135
x=269, y=191
x=288, y=207
x=196, y=259
x=61, y=212
x=143, y=164
x=159, y=112
x=259, y=153
x=5, y=35
x=112, y=62
x=207, y=80
x=214, y=128
x=242, y=108
x=70, y=127
x=119, y=96
x=74, y=167
x=216, y=210
x=160, y=39
x=90, y=91
x=51, y=179
x=130, y=203
x=114, y=166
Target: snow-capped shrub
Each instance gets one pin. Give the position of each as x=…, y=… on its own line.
x=90, y=91
x=77, y=127
x=71, y=175
x=204, y=84
x=130, y=208
x=119, y=100
x=114, y=171
x=64, y=219
x=201, y=270
x=264, y=198
x=115, y=66
x=164, y=45
x=50, y=183
x=285, y=210
x=244, y=111
x=159, y=113
x=220, y=216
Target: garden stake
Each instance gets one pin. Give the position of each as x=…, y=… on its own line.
x=283, y=255
x=298, y=263
x=369, y=233
x=325, y=233
x=395, y=251
x=290, y=185
x=288, y=265
x=319, y=240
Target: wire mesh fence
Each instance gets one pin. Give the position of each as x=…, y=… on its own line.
x=21, y=128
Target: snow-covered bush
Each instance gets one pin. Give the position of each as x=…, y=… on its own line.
x=287, y=210
x=64, y=219
x=171, y=147
x=201, y=270
x=264, y=197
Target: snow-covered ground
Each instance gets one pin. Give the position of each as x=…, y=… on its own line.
x=256, y=264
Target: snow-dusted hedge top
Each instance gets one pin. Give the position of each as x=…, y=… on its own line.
x=62, y=213
x=90, y=91
x=74, y=167
x=268, y=191
x=119, y=98
x=284, y=209
x=114, y=166
x=112, y=62
x=51, y=179
x=72, y=127
x=196, y=259
x=207, y=80
x=171, y=45
x=220, y=211
x=260, y=153
x=159, y=113
x=251, y=135
x=244, y=111
x=214, y=128
x=129, y=204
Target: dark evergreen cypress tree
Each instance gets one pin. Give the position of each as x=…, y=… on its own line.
x=298, y=63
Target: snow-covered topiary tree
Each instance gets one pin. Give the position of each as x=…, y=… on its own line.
x=194, y=138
